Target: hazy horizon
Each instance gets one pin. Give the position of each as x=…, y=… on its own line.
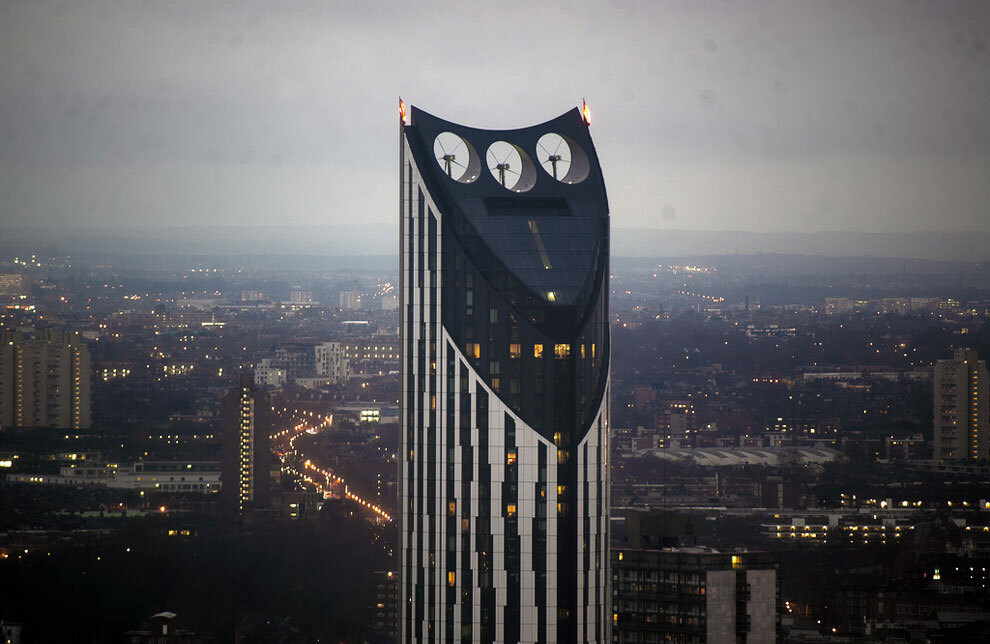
x=362, y=240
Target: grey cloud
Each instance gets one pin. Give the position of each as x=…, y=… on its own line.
x=746, y=115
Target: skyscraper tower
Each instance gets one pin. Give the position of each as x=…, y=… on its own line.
x=504, y=371
x=246, y=457
x=44, y=380
x=962, y=424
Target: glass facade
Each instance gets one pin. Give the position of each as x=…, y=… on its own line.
x=505, y=378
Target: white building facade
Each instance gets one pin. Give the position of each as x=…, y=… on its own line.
x=504, y=374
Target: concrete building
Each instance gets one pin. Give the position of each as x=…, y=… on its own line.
x=14, y=285
x=373, y=349
x=385, y=604
x=44, y=380
x=252, y=295
x=185, y=477
x=245, y=456
x=331, y=363
x=837, y=305
x=300, y=296
x=504, y=376
x=694, y=595
x=267, y=374
x=961, y=398
x=666, y=591
x=350, y=300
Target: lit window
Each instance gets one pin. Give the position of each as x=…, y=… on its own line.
x=510, y=509
x=451, y=578
x=561, y=351
x=510, y=458
x=473, y=349
x=537, y=350
x=515, y=350
x=551, y=296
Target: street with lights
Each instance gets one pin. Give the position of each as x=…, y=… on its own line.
x=302, y=461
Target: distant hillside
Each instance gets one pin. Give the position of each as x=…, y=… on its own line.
x=641, y=242
x=382, y=239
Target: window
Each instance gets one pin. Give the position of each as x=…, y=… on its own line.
x=473, y=349
x=515, y=350
x=510, y=458
x=561, y=351
x=537, y=350
x=451, y=578
x=510, y=509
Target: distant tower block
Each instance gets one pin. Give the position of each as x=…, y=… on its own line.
x=961, y=423
x=504, y=371
x=245, y=458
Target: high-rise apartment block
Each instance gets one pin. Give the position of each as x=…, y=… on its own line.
x=504, y=383
x=961, y=399
x=44, y=380
x=246, y=457
x=667, y=589
x=331, y=362
x=695, y=595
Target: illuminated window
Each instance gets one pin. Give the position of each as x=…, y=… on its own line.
x=510, y=458
x=561, y=351
x=510, y=509
x=515, y=350
x=473, y=349
x=537, y=350
x=452, y=508
x=551, y=296
x=451, y=578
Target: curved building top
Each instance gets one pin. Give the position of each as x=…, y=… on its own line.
x=534, y=196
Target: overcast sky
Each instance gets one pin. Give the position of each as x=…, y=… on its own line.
x=754, y=116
